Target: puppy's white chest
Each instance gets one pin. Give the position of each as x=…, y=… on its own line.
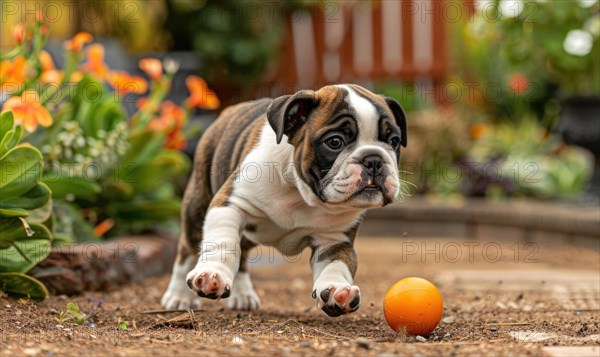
x=288, y=226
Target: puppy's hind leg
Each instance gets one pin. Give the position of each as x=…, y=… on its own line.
x=195, y=204
x=243, y=296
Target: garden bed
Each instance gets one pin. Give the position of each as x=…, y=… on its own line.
x=512, y=316
x=104, y=265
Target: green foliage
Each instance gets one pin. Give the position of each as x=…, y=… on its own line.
x=101, y=166
x=25, y=211
x=515, y=61
x=19, y=285
x=236, y=40
x=122, y=325
x=539, y=39
x=520, y=160
x=73, y=314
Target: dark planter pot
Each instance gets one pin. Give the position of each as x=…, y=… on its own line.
x=580, y=125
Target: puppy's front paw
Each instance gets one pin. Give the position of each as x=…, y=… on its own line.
x=337, y=299
x=209, y=283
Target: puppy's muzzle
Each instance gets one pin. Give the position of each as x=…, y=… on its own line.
x=373, y=166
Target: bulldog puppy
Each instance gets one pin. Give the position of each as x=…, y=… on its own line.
x=292, y=172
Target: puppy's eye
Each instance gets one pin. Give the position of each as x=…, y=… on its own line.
x=394, y=141
x=335, y=142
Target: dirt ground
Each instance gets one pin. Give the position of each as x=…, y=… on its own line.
x=521, y=313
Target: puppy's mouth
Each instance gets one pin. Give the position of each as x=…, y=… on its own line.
x=372, y=186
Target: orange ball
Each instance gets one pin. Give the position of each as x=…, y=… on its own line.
x=414, y=305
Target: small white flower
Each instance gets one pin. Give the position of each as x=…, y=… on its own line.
x=510, y=8
x=592, y=25
x=578, y=43
x=72, y=126
x=586, y=3
x=171, y=65
x=80, y=142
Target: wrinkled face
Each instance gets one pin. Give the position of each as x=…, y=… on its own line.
x=346, y=144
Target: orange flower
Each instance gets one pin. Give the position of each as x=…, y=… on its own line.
x=78, y=41
x=19, y=33
x=479, y=130
x=46, y=61
x=147, y=105
x=28, y=110
x=104, y=227
x=518, y=83
x=123, y=83
x=152, y=67
x=171, y=121
x=175, y=141
x=12, y=73
x=53, y=76
x=200, y=95
x=142, y=103
x=95, y=61
x=171, y=117
x=49, y=73
x=76, y=77
x=39, y=16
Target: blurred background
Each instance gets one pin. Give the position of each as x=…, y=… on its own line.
x=502, y=95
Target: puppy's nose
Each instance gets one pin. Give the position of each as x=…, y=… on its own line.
x=373, y=164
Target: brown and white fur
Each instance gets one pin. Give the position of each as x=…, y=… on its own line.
x=294, y=172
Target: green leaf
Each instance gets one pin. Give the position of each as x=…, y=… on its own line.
x=12, y=230
x=10, y=140
x=20, y=170
x=146, y=210
x=143, y=147
x=6, y=123
x=18, y=251
x=32, y=199
x=16, y=137
x=42, y=215
x=18, y=285
x=4, y=142
x=73, y=310
x=71, y=185
x=163, y=167
x=122, y=325
x=88, y=88
x=69, y=224
x=107, y=114
x=118, y=190
x=13, y=212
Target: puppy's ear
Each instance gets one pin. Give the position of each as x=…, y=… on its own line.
x=400, y=118
x=288, y=113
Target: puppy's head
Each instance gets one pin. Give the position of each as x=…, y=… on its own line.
x=346, y=143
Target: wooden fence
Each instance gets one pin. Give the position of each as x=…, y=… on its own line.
x=354, y=41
